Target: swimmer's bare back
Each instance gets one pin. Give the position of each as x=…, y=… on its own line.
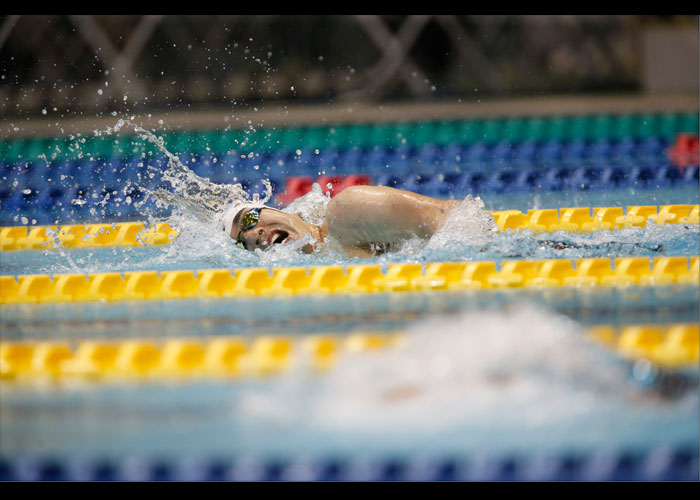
x=361, y=218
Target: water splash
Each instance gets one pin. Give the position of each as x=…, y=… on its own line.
x=191, y=194
x=520, y=375
x=468, y=234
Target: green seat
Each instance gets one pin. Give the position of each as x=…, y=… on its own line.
x=580, y=128
x=688, y=123
x=228, y=140
x=445, y=133
x=35, y=147
x=100, y=147
x=14, y=150
x=558, y=128
x=291, y=138
x=314, y=137
x=59, y=148
x=468, y=132
x=402, y=133
x=269, y=140
x=515, y=130
x=623, y=127
x=208, y=141
x=493, y=130
x=382, y=135
x=422, y=133
x=602, y=127
x=668, y=125
x=358, y=135
x=646, y=126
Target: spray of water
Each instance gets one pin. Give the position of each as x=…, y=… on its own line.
x=195, y=195
x=197, y=204
x=517, y=375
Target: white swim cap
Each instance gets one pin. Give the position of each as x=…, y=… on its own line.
x=226, y=220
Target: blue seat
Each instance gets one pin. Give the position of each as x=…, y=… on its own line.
x=473, y=181
x=527, y=179
x=277, y=182
x=391, y=180
x=502, y=152
x=30, y=173
x=327, y=160
x=376, y=159
x=449, y=183
x=642, y=176
x=554, y=179
x=625, y=148
x=502, y=181
x=48, y=205
x=613, y=177
x=81, y=170
x=667, y=175
x=551, y=153
x=80, y=210
x=59, y=172
x=304, y=164
x=111, y=208
x=112, y=171
x=218, y=171
x=417, y=182
x=276, y=160
x=575, y=153
x=204, y=166
x=584, y=178
x=9, y=203
x=399, y=161
x=27, y=205
x=10, y=173
x=690, y=175
x=351, y=161
x=525, y=152
x=133, y=168
x=478, y=152
x=453, y=154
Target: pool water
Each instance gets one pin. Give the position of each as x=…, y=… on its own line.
x=481, y=375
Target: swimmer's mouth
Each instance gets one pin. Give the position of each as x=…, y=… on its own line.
x=279, y=237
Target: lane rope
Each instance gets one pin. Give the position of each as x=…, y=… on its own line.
x=670, y=346
x=349, y=279
x=128, y=234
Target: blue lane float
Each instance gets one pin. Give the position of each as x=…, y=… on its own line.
x=662, y=464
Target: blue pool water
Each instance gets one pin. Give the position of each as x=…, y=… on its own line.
x=482, y=374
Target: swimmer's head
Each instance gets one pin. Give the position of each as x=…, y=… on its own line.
x=254, y=226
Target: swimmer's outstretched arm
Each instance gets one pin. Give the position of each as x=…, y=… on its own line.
x=361, y=215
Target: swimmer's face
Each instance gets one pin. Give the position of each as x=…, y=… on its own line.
x=271, y=228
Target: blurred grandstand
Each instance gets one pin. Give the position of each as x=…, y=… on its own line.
x=80, y=66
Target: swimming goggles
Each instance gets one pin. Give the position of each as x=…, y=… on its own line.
x=249, y=220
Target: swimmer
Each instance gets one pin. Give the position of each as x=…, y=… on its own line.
x=365, y=220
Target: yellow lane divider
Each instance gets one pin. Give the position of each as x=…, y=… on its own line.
x=675, y=346
x=357, y=279
x=672, y=346
x=587, y=219
x=214, y=357
x=118, y=234
x=563, y=219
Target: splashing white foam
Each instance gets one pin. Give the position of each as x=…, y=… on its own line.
x=520, y=366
